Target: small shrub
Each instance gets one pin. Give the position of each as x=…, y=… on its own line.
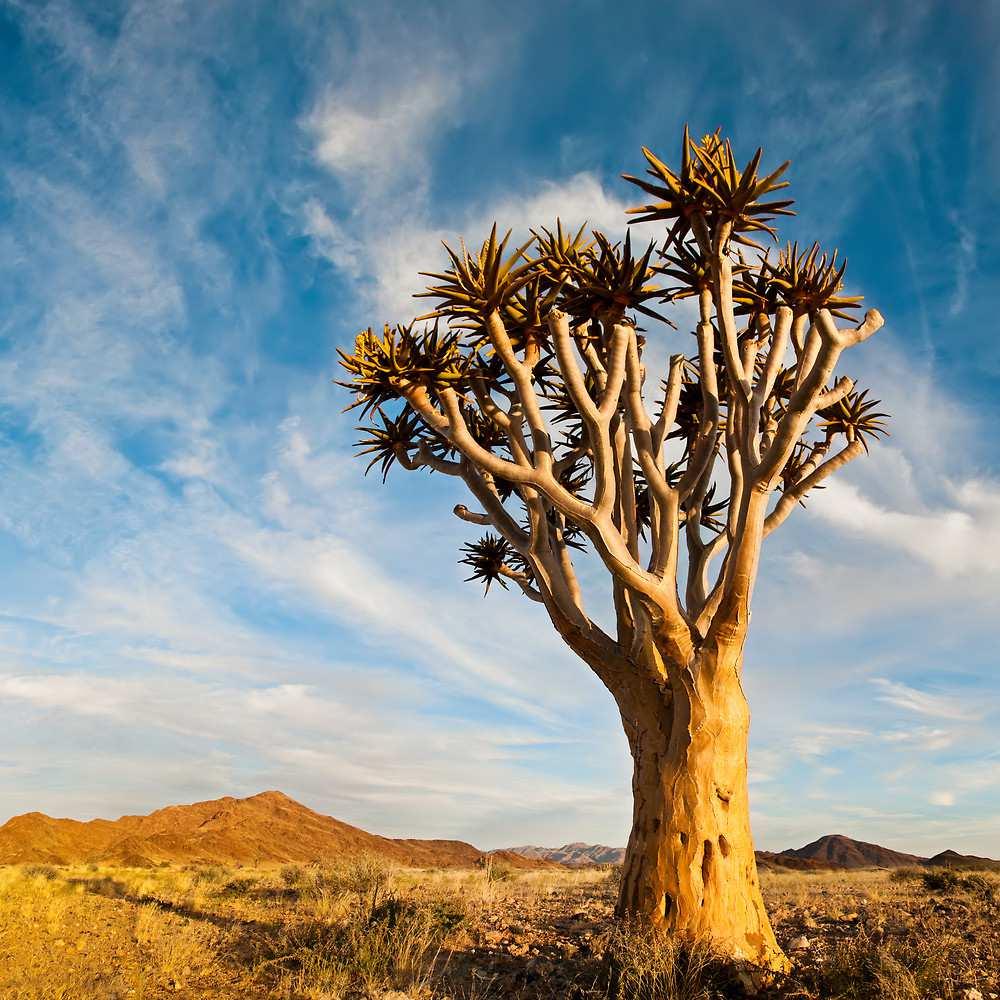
x=980, y=886
x=446, y=914
x=291, y=875
x=367, y=878
x=869, y=967
x=206, y=874
x=238, y=886
x=391, y=947
x=941, y=880
x=108, y=887
x=493, y=871
x=645, y=965
x=318, y=879
x=909, y=874
x=47, y=872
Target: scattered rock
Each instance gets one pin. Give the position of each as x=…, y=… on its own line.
x=801, y=943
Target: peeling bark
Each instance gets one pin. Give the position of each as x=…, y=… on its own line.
x=690, y=866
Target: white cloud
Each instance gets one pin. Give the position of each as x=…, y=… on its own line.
x=964, y=256
x=812, y=741
x=330, y=239
x=941, y=798
x=398, y=248
x=955, y=541
x=77, y=694
x=921, y=739
x=374, y=139
x=903, y=696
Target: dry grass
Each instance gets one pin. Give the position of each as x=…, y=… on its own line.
x=363, y=931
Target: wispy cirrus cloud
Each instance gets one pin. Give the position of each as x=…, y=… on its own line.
x=373, y=140
x=922, y=702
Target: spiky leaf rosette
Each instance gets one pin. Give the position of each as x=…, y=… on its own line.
x=808, y=280
x=389, y=437
x=608, y=280
x=381, y=368
x=856, y=417
x=711, y=508
x=711, y=186
x=525, y=312
x=754, y=293
x=688, y=417
x=558, y=253
x=684, y=263
x=477, y=284
x=487, y=557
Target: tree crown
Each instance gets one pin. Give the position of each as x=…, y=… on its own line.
x=528, y=381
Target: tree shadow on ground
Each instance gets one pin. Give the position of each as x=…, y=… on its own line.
x=111, y=888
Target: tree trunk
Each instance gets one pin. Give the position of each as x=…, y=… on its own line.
x=690, y=866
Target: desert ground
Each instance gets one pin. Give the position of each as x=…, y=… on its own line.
x=366, y=930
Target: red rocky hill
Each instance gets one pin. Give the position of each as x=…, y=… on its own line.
x=269, y=827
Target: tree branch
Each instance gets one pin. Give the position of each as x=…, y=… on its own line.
x=791, y=497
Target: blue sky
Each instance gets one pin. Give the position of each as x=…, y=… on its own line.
x=201, y=595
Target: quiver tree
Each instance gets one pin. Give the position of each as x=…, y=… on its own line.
x=528, y=382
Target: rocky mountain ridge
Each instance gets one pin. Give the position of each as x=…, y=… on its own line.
x=831, y=851
x=272, y=828
x=264, y=828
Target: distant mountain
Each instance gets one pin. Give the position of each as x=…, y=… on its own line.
x=769, y=859
x=581, y=855
x=269, y=827
x=836, y=849
x=574, y=855
x=831, y=851
x=968, y=862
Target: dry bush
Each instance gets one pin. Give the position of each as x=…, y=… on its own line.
x=866, y=968
x=47, y=872
x=206, y=874
x=981, y=886
x=238, y=886
x=946, y=880
x=942, y=880
x=107, y=885
x=494, y=871
x=367, y=878
x=291, y=875
x=908, y=874
x=393, y=946
x=646, y=965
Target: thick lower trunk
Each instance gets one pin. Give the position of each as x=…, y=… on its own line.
x=690, y=866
